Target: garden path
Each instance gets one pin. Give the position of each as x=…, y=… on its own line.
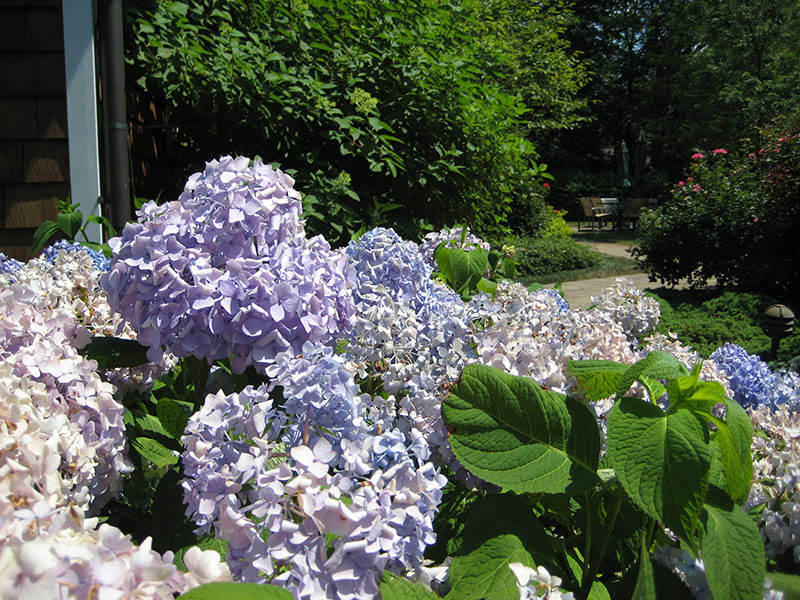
x=579, y=293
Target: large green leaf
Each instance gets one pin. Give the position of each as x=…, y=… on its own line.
x=70, y=223
x=172, y=416
x=484, y=572
x=510, y=432
x=656, y=365
x=237, y=591
x=732, y=550
x=172, y=530
x=462, y=269
x=507, y=514
x=394, y=587
x=663, y=461
x=598, y=378
x=732, y=442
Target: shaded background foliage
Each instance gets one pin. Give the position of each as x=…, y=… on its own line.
x=689, y=74
x=414, y=113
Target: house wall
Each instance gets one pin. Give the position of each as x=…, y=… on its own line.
x=34, y=162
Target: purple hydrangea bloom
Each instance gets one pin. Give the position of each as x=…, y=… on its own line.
x=226, y=270
x=100, y=260
x=320, y=519
x=752, y=382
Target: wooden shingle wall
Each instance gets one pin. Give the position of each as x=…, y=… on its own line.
x=34, y=162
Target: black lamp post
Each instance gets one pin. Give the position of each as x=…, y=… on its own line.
x=777, y=322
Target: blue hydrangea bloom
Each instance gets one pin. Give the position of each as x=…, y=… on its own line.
x=751, y=380
x=10, y=266
x=50, y=253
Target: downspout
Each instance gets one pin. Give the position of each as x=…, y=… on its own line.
x=117, y=188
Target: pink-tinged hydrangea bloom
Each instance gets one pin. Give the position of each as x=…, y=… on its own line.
x=226, y=270
x=534, y=337
x=72, y=421
x=776, y=478
x=46, y=553
x=627, y=305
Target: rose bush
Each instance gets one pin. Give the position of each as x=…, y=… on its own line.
x=734, y=217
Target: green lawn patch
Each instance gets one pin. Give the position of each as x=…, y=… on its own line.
x=706, y=319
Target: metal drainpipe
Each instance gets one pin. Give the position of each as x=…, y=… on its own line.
x=118, y=184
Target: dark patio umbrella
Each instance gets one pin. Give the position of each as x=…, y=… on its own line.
x=623, y=167
x=640, y=158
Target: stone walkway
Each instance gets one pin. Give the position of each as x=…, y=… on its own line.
x=579, y=293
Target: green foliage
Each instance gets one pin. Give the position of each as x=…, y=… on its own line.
x=556, y=227
x=151, y=502
x=682, y=467
x=541, y=256
x=468, y=269
x=735, y=218
x=384, y=112
x=242, y=591
x=394, y=587
x=68, y=225
x=706, y=319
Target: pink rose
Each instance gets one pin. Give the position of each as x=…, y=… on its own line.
x=681, y=183
x=547, y=185
x=696, y=188
x=698, y=156
x=719, y=151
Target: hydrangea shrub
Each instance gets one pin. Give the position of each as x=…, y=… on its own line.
x=340, y=448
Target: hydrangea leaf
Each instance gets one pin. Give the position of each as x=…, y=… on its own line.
x=508, y=514
x=237, y=591
x=598, y=378
x=462, y=269
x=156, y=453
x=111, y=352
x=732, y=550
x=510, y=432
x=656, y=365
x=173, y=418
x=394, y=587
x=663, y=461
x=170, y=526
x=484, y=572
x=732, y=442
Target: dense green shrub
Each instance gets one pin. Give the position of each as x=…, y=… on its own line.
x=542, y=256
x=383, y=111
x=706, y=319
x=556, y=226
x=735, y=217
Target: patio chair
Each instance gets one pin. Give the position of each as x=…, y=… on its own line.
x=594, y=212
x=633, y=208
